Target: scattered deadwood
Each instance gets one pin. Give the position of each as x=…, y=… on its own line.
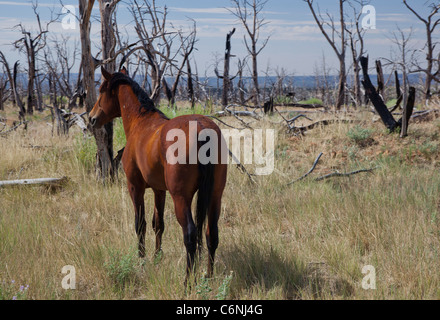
x=3, y=126
x=425, y=115
x=230, y=111
x=5, y=133
x=66, y=119
x=301, y=130
x=291, y=128
x=78, y=120
x=221, y=121
x=39, y=181
x=309, y=172
x=301, y=105
x=329, y=175
x=237, y=115
x=340, y=174
x=240, y=166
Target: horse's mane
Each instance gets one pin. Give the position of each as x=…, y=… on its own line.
x=147, y=105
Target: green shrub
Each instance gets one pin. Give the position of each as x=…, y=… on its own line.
x=312, y=101
x=121, y=268
x=429, y=148
x=359, y=134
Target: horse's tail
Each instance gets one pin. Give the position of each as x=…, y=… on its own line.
x=204, y=195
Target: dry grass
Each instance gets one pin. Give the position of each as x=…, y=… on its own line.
x=309, y=240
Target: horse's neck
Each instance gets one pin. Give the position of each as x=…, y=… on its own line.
x=132, y=116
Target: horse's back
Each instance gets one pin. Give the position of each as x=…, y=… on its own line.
x=189, y=127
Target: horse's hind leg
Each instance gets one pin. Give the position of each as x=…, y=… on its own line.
x=182, y=208
x=137, y=196
x=158, y=224
x=212, y=232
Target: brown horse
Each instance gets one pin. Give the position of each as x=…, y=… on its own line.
x=146, y=166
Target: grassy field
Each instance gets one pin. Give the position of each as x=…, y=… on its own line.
x=308, y=240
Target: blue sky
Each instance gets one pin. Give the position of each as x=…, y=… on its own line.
x=295, y=44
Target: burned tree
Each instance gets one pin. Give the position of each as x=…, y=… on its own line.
x=329, y=28
x=356, y=38
x=249, y=14
x=225, y=77
x=30, y=44
x=12, y=76
x=158, y=49
x=8, y=71
x=378, y=103
x=401, y=58
x=59, y=61
x=156, y=42
x=87, y=60
x=431, y=22
x=103, y=136
x=187, y=45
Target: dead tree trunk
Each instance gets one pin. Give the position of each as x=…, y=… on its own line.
x=380, y=80
x=190, y=86
x=104, y=137
x=407, y=111
x=330, y=37
x=376, y=99
x=249, y=13
x=22, y=111
x=381, y=108
x=226, y=79
x=431, y=22
x=103, y=158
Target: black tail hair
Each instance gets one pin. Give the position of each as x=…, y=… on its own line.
x=204, y=195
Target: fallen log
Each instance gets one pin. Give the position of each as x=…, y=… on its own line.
x=39, y=181
x=237, y=113
x=301, y=130
x=308, y=172
x=78, y=120
x=4, y=133
x=425, y=115
x=301, y=105
x=340, y=174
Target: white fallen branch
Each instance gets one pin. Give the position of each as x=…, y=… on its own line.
x=78, y=120
x=39, y=181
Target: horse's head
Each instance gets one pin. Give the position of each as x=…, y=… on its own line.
x=106, y=107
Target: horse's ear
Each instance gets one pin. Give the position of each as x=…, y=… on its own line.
x=105, y=74
x=124, y=71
